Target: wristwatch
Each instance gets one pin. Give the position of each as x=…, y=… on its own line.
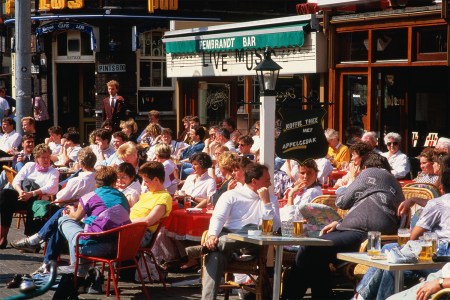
x=441, y=282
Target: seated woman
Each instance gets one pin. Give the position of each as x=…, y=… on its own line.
x=75, y=188
x=162, y=155
x=128, y=183
x=372, y=200
x=226, y=163
x=399, y=161
x=199, y=185
x=104, y=200
x=426, y=165
x=130, y=128
x=357, y=151
x=34, y=179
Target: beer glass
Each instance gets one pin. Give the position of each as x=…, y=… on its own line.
x=434, y=240
x=404, y=235
x=267, y=225
x=374, y=243
x=426, y=254
x=187, y=202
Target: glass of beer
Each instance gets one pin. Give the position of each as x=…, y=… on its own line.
x=267, y=225
x=298, y=228
x=426, y=254
x=434, y=240
x=187, y=202
x=374, y=243
x=404, y=235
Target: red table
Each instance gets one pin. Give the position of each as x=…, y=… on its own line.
x=182, y=225
x=337, y=174
x=329, y=191
x=403, y=182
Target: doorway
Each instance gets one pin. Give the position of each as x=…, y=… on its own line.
x=76, y=97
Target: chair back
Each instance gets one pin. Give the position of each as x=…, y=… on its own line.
x=10, y=173
x=429, y=186
x=129, y=240
x=329, y=200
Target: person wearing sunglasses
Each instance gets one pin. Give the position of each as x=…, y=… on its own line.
x=255, y=146
x=245, y=143
x=399, y=161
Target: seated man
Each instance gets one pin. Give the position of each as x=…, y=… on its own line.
x=372, y=200
x=379, y=284
x=102, y=148
x=234, y=210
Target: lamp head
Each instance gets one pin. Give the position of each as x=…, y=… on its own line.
x=267, y=72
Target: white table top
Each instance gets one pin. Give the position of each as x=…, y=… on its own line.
x=364, y=259
x=264, y=240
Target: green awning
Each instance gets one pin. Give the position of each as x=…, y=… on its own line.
x=274, y=37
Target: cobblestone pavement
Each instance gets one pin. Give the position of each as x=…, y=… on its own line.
x=13, y=262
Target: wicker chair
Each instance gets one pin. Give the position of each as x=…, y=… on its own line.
x=429, y=186
x=442, y=294
x=255, y=269
x=329, y=200
x=415, y=192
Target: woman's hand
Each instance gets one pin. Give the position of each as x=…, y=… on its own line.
x=428, y=289
x=25, y=196
x=329, y=228
x=232, y=184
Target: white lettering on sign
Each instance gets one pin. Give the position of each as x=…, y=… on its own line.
x=217, y=44
x=249, y=41
x=74, y=57
x=431, y=139
x=111, y=68
x=301, y=123
x=298, y=144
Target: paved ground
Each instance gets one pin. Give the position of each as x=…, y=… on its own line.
x=13, y=262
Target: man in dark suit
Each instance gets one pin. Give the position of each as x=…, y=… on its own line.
x=114, y=107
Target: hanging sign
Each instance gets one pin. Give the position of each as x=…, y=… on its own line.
x=415, y=138
x=431, y=139
x=302, y=137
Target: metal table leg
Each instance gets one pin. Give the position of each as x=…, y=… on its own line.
x=277, y=272
x=398, y=281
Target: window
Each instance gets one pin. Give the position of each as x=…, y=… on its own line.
x=355, y=94
x=432, y=43
x=155, y=90
x=391, y=44
x=353, y=46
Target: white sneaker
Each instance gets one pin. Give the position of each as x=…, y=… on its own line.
x=66, y=269
x=42, y=269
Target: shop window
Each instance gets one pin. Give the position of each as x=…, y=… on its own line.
x=355, y=94
x=74, y=43
x=432, y=43
x=390, y=44
x=352, y=46
x=152, y=65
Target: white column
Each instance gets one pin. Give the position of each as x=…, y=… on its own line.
x=267, y=134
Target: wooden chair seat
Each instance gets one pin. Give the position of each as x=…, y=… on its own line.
x=255, y=269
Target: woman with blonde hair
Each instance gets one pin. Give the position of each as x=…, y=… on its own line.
x=130, y=128
x=151, y=137
x=128, y=152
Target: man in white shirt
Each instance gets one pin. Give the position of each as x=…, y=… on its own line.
x=69, y=151
x=223, y=136
x=118, y=139
x=10, y=138
x=4, y=108
x=102, y=148
x=235, y=210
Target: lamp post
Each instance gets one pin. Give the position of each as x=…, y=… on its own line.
x=267, y=73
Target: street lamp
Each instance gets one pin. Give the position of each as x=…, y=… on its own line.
x=267, y=73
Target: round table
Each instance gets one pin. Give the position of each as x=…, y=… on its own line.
x=183, y=225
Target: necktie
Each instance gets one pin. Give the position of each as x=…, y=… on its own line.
x=112, y=105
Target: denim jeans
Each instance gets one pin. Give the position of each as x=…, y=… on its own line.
x=186, y=170
x=50, y=233
x=70, y=229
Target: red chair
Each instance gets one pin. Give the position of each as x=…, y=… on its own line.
x=147, y=251
x=129, y=238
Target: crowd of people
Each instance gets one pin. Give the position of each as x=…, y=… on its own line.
x=131, y=176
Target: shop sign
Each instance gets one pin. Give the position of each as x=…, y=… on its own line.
x=162, y=5
x=60, y=4
x=34, y=69
x=309, y=58
x=302, y=137
x=112, y=68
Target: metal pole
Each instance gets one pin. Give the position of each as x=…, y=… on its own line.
x=23, y=59
x=267, y=133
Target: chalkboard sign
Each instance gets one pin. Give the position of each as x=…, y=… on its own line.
x=302, y=136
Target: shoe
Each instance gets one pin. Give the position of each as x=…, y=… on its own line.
x=15, y=282
x=42, y=269
x=194, y=251
x=96, y=279
x=25, y=246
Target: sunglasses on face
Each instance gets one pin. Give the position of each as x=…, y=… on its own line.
x=392, y=144
x=241, y=145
